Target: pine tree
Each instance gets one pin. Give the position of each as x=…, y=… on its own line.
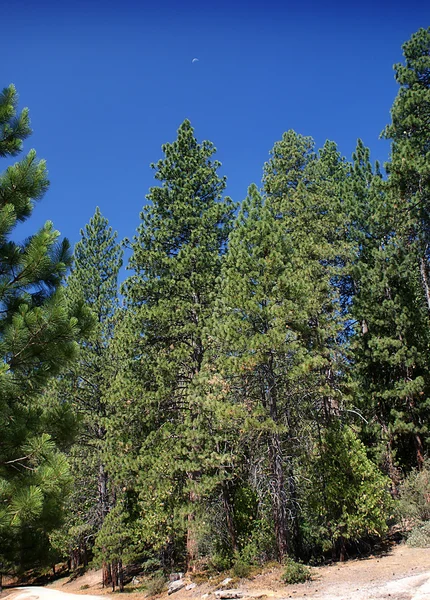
x=392, y=274
x=394, y=289
x=280, y=317
x=390, y=345
x=86, y=387
x=254, y=325
x=308, y=194
x=170, y=297
x=37, y=341
x=409, y=168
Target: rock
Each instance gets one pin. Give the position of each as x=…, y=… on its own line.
x=190, y=586
x=224, y=594
x=205, y=596
x=175, y=576
x=175, y=586
x=226, y=581
x=135, y=581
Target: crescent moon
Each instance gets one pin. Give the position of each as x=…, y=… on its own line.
x=195, y=60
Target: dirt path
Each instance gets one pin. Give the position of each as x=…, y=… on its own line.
x=401, y=574
x=43, y=593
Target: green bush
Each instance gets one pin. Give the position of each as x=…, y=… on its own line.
x=156, y=585
x=414, y=495
x=220, y=562
x=347, y=497
x=295, y=572
x=241, y=568
x=419, y=537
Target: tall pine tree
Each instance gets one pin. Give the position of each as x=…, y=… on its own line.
x=409, y=168
x=86, y=387
x=170, y=297
x=37, y=341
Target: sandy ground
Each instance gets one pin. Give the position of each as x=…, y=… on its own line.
x=401, y=574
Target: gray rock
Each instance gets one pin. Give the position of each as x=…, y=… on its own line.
x=190, y=586
x=224, y=594
x=175, y=586
x=175, y=576
x=226, y=581
x=135, y=581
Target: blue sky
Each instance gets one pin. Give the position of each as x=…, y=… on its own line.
x=107, y=83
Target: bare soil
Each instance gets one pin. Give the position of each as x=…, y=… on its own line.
x=402, y=573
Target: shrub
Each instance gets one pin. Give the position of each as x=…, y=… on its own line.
x=220, y=562
x=295, y=572
x=419, y=537
x=348, y=496
x=156, y=585
x=241, y=568
x=414, y=495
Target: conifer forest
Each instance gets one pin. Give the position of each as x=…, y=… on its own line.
x=258, y=386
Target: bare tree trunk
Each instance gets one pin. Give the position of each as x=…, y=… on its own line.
x=103, y=499
x=75, y=559
x=84, y=554
x=103, y=509
x=389, y=467
x=120, y=576
x=114, y=574
x=418, y=443
x=192, y=541
x=419, y=450
x=228, y=511
x=279, y=497
x=425, y=279
x=295, y=541
x=106, y=574
x=342, y=551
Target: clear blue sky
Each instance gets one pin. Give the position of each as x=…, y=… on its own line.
x=107, y=83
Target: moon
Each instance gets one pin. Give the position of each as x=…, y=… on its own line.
x=195, y=60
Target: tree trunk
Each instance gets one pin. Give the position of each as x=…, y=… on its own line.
x=114, y=574
x=103, y=506
x=342, y=549
x=75, y=559
x=84, y=554
x=279, y=497
x=295, y=541
x=228, y=511
x=103, y=492
x=120, y=576
x=389, y=467
x=425, y=280
x=419, y=450
x=192, y=541
x=106, y=574
x=418, y=443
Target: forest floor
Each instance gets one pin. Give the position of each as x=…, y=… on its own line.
x=401, y=573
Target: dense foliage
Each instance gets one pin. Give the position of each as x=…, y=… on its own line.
x=262, y=390
x=38, y=329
